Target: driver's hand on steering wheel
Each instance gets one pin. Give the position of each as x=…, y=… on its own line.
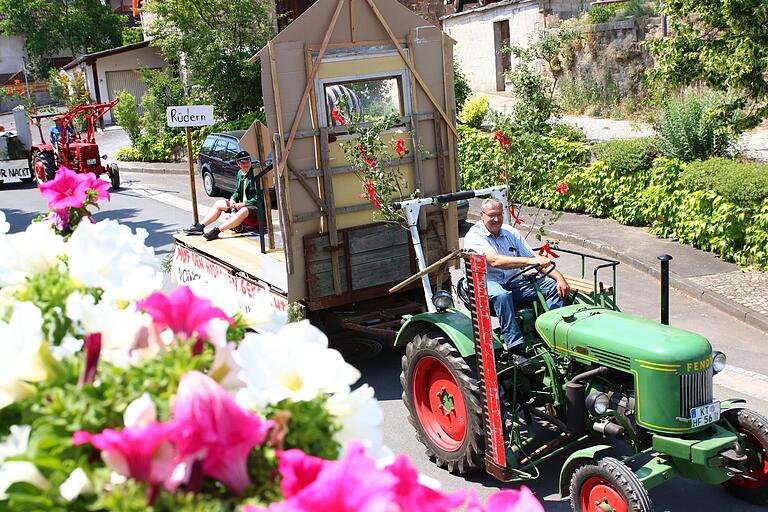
x=542, y=261
x=563, y=289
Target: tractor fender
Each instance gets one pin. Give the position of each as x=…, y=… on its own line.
x=456, y=325
x=575, y=460
x=43, y=148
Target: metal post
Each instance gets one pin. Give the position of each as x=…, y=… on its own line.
x=191, y=174
x=663, y=20
x=665, y=259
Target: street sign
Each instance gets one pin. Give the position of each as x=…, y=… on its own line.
x=190, y=115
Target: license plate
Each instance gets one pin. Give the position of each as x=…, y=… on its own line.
x=91, y=161
x=705, y=414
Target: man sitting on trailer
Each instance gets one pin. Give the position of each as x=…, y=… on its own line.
x=506, y=251
x=247, y=202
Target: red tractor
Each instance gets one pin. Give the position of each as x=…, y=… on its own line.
x=71, y=148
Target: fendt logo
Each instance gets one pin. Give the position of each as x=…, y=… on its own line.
x=699, y=365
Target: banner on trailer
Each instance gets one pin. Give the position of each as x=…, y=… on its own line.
x=189, y=266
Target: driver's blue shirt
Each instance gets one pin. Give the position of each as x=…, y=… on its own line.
x=509, y=243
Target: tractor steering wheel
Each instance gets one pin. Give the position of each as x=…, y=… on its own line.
x=527, y=274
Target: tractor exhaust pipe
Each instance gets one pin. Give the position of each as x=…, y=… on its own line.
x=665, y=259
x=575, y=396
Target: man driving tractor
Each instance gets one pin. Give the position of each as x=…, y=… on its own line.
x=505, y=250
x=58, y=134
x=247, y=201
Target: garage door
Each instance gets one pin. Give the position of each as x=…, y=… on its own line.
x=126, y=81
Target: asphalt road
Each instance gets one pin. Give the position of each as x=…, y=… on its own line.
x=161, y=204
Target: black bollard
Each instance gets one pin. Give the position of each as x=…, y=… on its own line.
x=665, y=259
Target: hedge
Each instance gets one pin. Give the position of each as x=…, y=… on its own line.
x=660, y=195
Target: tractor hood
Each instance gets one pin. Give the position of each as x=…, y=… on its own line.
x=622, y=341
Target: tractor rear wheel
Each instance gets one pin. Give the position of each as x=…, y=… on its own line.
x=608, y=485
x=754, y=488
x=43, y=166
x=443, y=401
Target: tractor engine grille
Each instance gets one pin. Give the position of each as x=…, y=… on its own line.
x=86, y=153
x=695, y=390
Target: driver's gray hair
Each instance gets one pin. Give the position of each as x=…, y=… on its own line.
x=490, y=201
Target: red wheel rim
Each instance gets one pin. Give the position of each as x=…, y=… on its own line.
x=760, y=473
x=39, y=171
x=439, y=404
x=597, y=495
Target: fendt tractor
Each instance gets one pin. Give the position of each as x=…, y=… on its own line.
x=592, y=372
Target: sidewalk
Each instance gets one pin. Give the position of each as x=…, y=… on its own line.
x=696, y=273
x=155, y=167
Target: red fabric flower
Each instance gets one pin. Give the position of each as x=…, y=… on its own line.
x=17, y=82
x=503, y=142
x=546, y=249
x=371, y=163
x=503, y=176
x=370, y=189
x=336, y=114
x=562, y=188
x=19, y=90
x=513, y=214
x=400, y=148
x=8, y=92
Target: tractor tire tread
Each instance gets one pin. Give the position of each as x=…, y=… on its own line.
x=758, y=425
x=470, y=456
x=627, y=483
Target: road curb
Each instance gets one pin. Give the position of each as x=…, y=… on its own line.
x=137, y=167
x=680, y=284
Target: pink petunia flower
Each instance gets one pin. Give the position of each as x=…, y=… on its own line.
x=297, y=470
x=59, y=217
x=98, y=185
x=142, y=453
x=183, y=312
x=65, y=190
x=412, y=495
x=506, y=501
x=211, y=427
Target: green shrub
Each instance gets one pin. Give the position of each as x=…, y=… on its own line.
x=687, y=129
x=478, y=152
x=127, y=116
x=128, y=155
x=474, y=111
x=626, y=156
x=601, y=14
x=742, y=183
x=569, y=132
x=461, y=88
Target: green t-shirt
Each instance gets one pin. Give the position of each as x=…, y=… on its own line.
x=248, y=191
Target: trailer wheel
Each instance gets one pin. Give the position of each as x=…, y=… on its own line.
x=43, y=166
x=608, y=485
x=755, y=429
x=443, y=401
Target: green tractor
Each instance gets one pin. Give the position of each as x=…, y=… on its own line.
x=592, y=372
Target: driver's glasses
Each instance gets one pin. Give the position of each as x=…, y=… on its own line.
x=492, y=215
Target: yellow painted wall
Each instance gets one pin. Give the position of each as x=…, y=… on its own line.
x=364, y=66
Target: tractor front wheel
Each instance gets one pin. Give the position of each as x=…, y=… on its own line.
x=443, y=401
x=43, y=166
x=114, y=176
x=608, y=485
x=752, y=486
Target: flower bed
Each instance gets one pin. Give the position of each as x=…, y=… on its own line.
x=115, y=395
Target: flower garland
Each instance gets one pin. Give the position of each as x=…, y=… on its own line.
x=115, y=395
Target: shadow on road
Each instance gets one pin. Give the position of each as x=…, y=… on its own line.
x=160, y=233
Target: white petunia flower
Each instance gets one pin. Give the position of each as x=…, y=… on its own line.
x=225, y=370
x=4, y=226
x=359, y=415
x=24, y=355
x=18, y=471
x=30, y=252
x=68, y=347
x=119, y=328
x=257, y=312
x=110, y=256
x=77, y=483
x=295, y=363
x=140, y=413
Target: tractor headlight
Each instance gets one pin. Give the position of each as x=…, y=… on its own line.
x=718, y=361
x=442, y=300
x=598, y=402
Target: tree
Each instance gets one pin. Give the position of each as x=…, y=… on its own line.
x=723, y=44
x=81, y=26
x=215, y=39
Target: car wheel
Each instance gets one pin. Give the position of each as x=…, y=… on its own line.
x=443, y=401
x=608, y=485
x=210, y=186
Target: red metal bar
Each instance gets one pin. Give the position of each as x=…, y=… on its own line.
x=481, y=317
